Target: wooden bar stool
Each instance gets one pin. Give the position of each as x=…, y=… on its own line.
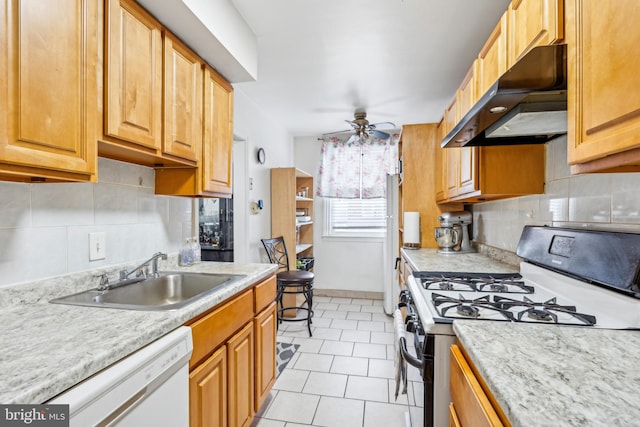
x=290, y=282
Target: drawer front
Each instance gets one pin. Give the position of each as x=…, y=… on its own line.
x=471, y=403
x=265, y=293
x=214, y=329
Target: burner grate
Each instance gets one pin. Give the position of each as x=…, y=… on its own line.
x=474, y=282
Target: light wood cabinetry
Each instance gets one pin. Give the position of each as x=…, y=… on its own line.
x=604, y=120
x=492, y=59
x=533, y=23
x=473, y=404
x=286, y=184
x=419, y=144
x=232, y=367
x=133, y=74
x=212, y=176
x=48, y=86
x=182, y=100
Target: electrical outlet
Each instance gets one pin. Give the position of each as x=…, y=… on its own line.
x=97, y=246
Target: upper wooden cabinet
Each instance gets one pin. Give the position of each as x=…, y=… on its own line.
x=133, y=64
x=182, y=100
x=213, y=175
x=48, y=90
x=603, y=113
x=533, y=23
x=492, y=59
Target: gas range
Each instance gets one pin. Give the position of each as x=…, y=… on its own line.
x=569, y=277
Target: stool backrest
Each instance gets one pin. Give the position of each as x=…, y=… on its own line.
x=277, y=252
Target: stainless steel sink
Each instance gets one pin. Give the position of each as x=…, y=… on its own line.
x=170, y=291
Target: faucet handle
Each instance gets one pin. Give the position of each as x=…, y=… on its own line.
x=104, y=281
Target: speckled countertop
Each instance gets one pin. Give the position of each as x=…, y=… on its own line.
x=47, y=348
x=430, y=260
x=557, y=375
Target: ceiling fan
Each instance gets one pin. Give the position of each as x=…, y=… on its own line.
x=362, y=129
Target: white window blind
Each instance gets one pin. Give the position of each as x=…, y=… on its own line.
x=356, y=217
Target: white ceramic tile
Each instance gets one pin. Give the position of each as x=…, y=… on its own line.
x=358, y=316
x=356, y=336
x=554, y=204
x=339, y=300
x=362, y=301
x=337, y=348
x=403, y=398
x=625, y=198
x=321, y=322
x=350, y=365
x=263, y=422
x=325, y=384
x=384, y=414
x=313, y=362
x=418, y=392
x=308, y=345
x=15, y=209
x=291, y=380
x=294, y=407
x=115, y=204
x=375, y=309
x=417, y=415
x=180, y=210
x=364, y=325
x=365, y=388
x=344, y=324
x=382, y=338
x=62, y=204
x=320, y=299
x=325, y=305
x=327, y=334
x=374, y=351
x=590, y=198
x=116, y=172
x=380, y=368
x=381, y=317
x=339, y=412
x=331, y=314
x=348, y=307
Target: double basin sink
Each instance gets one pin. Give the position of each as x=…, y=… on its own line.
x=169, y=291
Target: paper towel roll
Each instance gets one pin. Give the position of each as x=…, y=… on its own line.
x=411, y=234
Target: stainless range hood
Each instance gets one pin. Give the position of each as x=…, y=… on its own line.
x=526, y=105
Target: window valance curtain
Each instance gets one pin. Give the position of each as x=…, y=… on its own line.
x=354, y=169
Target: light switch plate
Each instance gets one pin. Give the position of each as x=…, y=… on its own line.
x=97, y=246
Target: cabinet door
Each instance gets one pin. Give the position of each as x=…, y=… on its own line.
x=492, y=59
x=208, y=392
x=467, y=170
x=440, y=169
x=533, y=23
x=240, y=379
x=218, y=134
x=133, y=79
x=48, y=89
x=453, y=417
x=466, y=94
x=182, y=100
x=603, y=116
x=452, y=162
x=265, y=358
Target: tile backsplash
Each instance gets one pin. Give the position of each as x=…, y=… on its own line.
x=598, y=201
x=44, y=228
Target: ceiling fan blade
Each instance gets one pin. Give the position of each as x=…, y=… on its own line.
x=386, y=124
x=380, y=135
x=351, y=139
x=335, y=133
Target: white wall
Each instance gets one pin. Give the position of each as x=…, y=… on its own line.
x=599, y=201
x=44, y=228
x=351, y=264
x=256, y=127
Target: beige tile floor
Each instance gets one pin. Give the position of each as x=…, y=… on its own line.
x=343, y=375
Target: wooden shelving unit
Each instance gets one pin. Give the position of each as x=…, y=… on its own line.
x=286, y=185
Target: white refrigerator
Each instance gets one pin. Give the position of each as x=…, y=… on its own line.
x=390, y=252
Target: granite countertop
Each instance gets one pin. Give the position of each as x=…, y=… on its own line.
x=47, y=348
x=430, y=260
x=546, y=375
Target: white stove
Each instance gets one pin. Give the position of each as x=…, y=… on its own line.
x=569, y=277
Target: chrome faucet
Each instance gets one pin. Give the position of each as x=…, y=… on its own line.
x=124, y=274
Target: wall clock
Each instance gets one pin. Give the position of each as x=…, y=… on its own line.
x=261, y=156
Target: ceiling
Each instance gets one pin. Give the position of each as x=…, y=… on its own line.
x=399, y=60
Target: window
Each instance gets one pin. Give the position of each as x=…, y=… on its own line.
x=355, y=217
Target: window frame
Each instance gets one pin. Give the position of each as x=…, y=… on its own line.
x=330, y=231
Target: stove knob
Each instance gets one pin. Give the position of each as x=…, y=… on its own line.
x=411, y=324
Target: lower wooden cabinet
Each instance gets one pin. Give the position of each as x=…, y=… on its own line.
x=265, y=328
x=233, y=365
x=473, y=405
x=208, y=391
x=240, y=377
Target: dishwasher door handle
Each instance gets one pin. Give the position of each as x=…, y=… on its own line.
x=122, y=410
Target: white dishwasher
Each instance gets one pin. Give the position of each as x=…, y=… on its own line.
x=148, y=388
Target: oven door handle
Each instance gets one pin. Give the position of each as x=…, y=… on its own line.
x=410, y=359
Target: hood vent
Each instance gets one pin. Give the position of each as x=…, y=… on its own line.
x=527, y=105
